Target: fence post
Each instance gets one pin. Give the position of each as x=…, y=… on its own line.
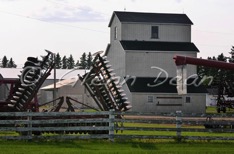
x=111, y=125
x=178, y=125
x=29, y=118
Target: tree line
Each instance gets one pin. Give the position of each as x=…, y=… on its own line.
x=219, y=75
x=85, y=61
x=5, y=63
x=222, y=80
x=61, y=62
x=222, y=83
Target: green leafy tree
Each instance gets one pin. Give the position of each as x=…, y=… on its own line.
x=83, y=61
x=70, y=62
x=209, y=72
x=203, y=70
x=64, y=62
x=218, y=74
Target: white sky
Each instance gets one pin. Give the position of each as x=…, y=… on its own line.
x=27, y=27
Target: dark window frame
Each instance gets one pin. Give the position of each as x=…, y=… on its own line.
x=187, y=99
x=154, y=32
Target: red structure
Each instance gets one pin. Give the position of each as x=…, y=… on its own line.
x=183, y=60
x=22, y=94
x=100, y=82
x=221, y=102
x=4, y=105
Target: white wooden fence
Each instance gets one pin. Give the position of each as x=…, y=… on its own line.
x=103, y=125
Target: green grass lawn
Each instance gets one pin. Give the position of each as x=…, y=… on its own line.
x=173, y=133
x=117, y=147
x=135, y=146
x=212, y=110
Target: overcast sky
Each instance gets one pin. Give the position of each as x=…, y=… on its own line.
x=76, y=26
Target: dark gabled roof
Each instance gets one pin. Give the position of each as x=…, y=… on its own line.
x=158, y=46
x=162, y=85
x=145, y=17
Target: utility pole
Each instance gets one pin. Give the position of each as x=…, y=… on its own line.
x=54, y=91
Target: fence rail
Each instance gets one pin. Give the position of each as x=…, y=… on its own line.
x=135, y=125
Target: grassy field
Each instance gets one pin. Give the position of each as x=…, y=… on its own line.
x=212, y=110
x=117, y=147
x=122, y=146
x=172, y=133
x=135, y=146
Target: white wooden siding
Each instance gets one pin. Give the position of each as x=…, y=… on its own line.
x=115, y=23
x=116, y=56
x=141, y=63
x=167, y=32
x=77, y=91
x=197, y=104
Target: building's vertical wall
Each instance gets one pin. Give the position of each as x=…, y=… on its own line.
x=77, y=92
x=116, y=54
x=115, y=23
x=145, y=64
x=150, y=64
x=175, y=33
x=169, y=103
x=167, y=32
x=196, y=105
x=45, y=96
x=162, y=103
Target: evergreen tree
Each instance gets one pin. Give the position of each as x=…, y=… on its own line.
x=77, y=63
x=70, y=62
x=4, y=62
x=64, y=62
x=11, y=64
x=58, y=61
x=229, y=73
x=89, y=60
x=221, y=74
x=217, y=74
x=231, y=60
x=83, y=61
x=221, y=57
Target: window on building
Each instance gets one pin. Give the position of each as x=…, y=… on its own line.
x=154, y=32
x=150, y=99
x=115, y=33
x=187, y=100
